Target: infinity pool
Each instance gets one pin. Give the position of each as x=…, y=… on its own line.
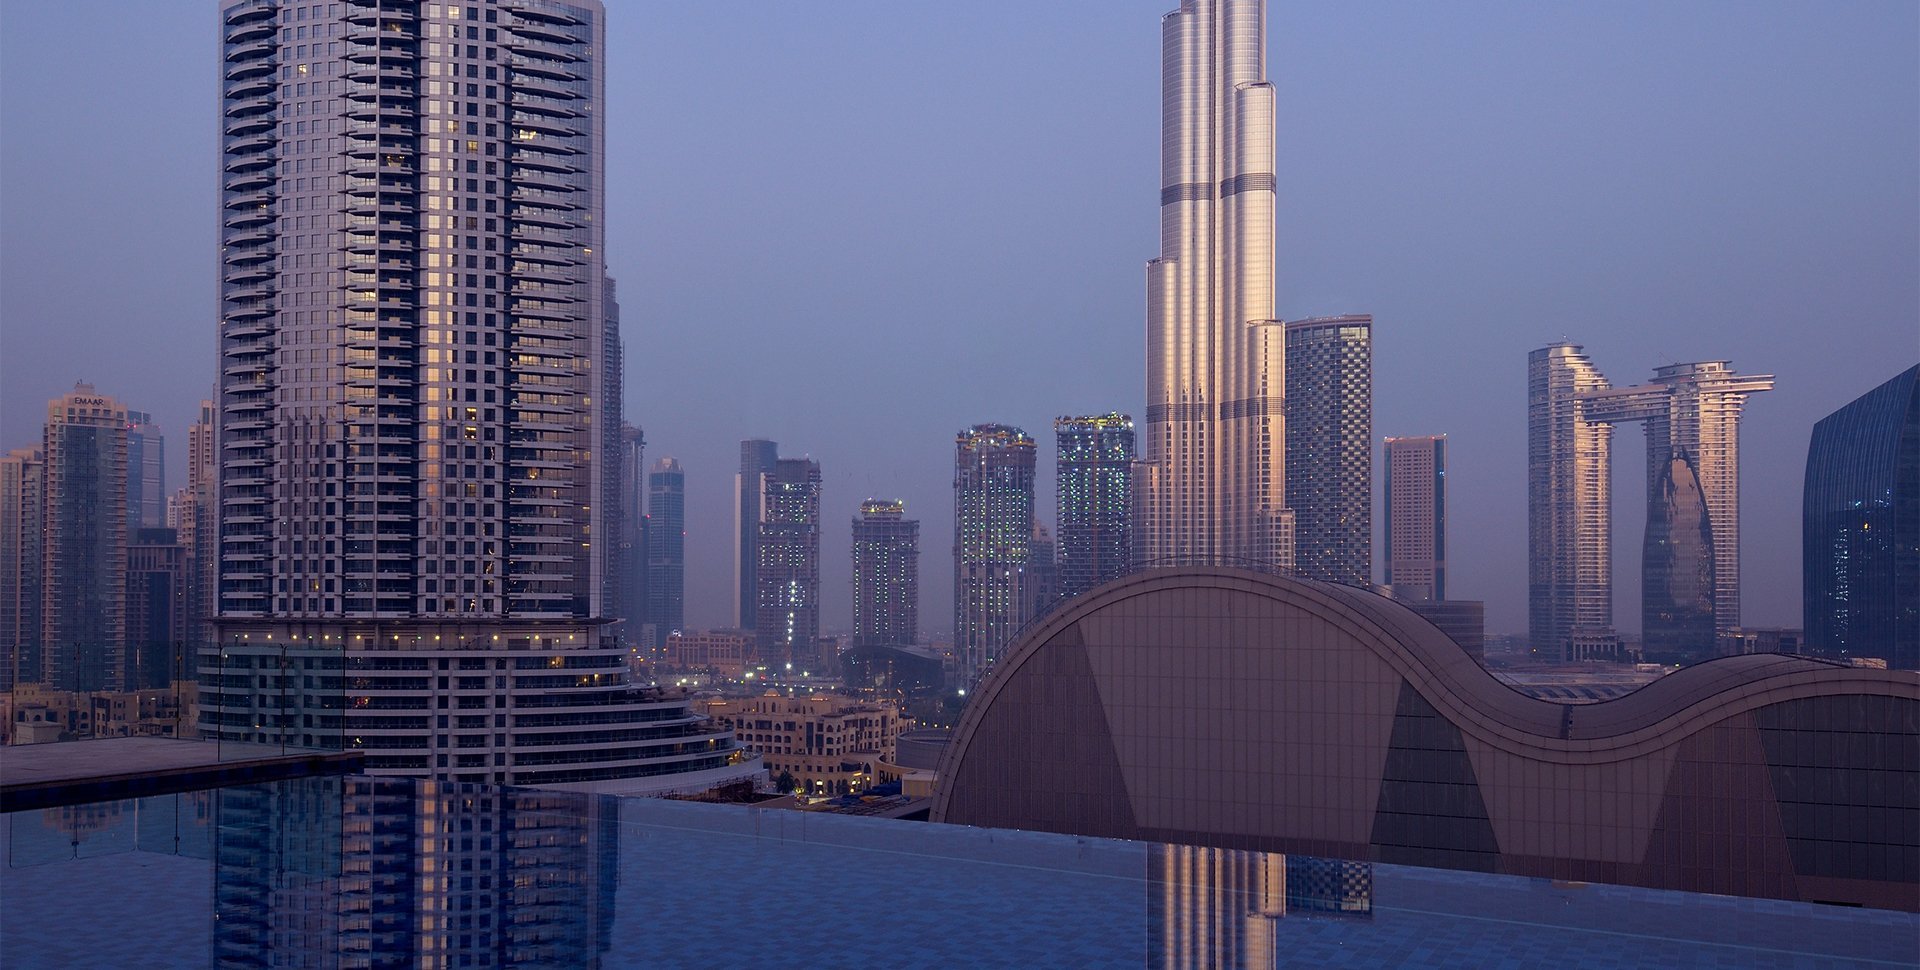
x=362, y=872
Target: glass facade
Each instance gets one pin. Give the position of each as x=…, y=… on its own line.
x=788, y=572
x=1569, y=502
x=1095, y=464
x=1213, y=477
x=992, y=543
x=756, y=459
x=1690, y=557
x=1330, y=447
x=84, y=576
x=886, y=575
x=666, y=549
x=1861, y=527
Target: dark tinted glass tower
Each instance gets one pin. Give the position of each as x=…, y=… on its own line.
x=146, y=473
x=886, y=575
x=1095, y=465
x=788, y=571
x=1861, y=527
x=157, y=609
x=1330, y=447
x=631, y=553
x=756, y=459
x=992, y=545
x=666, y=548
x=83, y=576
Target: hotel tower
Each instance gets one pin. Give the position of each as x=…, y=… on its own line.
x=1213, y=471
x=418, y=432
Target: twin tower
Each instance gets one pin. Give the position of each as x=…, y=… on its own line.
x=1690, y=567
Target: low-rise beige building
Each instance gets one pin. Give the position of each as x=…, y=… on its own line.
x=830, y=744
x=727, y=653
x=34, y=713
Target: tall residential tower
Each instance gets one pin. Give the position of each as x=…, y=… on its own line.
x=419, y=492
x=1416, y=531
x=993, y=472
x=787, y=572
x=666, y=549
x=886, y=575
x=1213, y=480
x=1569, y=501
x=1330, y=447
x=1095, y=463
x=83, y=585
x=757, y=456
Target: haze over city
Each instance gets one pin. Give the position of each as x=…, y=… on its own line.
x=857, y=234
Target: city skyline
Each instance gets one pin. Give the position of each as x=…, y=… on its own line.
x=1746, y=303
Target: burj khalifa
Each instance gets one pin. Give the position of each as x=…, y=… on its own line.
x=1212, y=482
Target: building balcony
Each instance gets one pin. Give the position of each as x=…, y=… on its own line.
x=251, y=50
x=255, y=12
x=538, y=273
x=245, y=201
x=375, y=110
x=250, y=273
x=540, y=218
x=254, y=236
x=384, y=53
x=248, y=31
x=545, y=87
x=382, y=72
x=250, y=106
x=528, y=103
x=249, y=181
x=248, y=87
x=556, y=254
x=251, y=124
x=259, y=67
x=250, y=144
x=370, y=11
x=542, y=180
x=251, y=162
x=385, y=34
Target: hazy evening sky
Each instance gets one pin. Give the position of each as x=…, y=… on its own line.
x=856, y=227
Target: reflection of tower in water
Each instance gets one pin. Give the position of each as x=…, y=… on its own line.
x=1223, y=907
x=329, y=872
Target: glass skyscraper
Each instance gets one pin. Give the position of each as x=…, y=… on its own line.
x=757, y=456
x=666, y=548
x=1690, y=562
x=788, y=570
x=1095, y=464
x=1213, y=472
x=886, y=575
x=993, y=471
x=84, y=571
x=1330, y=447
x=1860, y=527
x=419, y=492
x=146, y=473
